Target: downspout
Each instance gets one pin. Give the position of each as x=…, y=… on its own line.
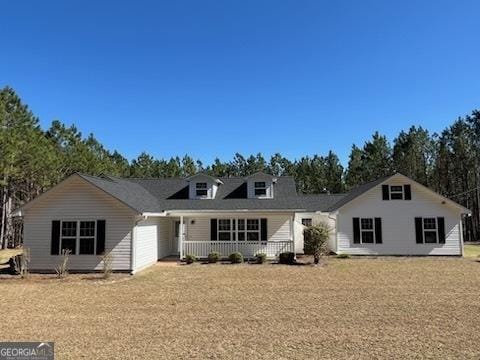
x=461, y=234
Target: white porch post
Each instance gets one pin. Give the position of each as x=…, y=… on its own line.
x=180, y=238
x=292, y=233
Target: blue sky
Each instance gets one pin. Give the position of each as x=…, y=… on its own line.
x=211, y=78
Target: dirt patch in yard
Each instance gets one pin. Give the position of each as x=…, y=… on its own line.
x=350, y=308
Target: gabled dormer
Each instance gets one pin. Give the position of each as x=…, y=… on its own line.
x=203, y=186
x=260, y=186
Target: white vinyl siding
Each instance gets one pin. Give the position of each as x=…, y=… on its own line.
x=268, y=186
x=146, y=242
x=76, y=200
x=316, y=219
x=398, y=223
x=202, y=180
x=152, y=241
x=164, y=240
x=278, y=226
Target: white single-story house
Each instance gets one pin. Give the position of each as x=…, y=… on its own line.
x=139, y=221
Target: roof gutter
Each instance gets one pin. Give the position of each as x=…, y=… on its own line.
x=150, y=214
x=176, y=212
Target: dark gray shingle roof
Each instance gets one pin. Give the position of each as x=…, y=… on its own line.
x=157, y=195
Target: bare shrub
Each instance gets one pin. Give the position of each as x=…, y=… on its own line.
x=107, y=262
x=20, y=262
x=62, y=268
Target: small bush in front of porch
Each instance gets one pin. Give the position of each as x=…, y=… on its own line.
x=236, y=258
x=214, y=257
x=190, y=258
x=261, y=258
x=343, y=256
x=286, y=258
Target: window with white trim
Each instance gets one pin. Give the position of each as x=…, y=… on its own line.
x=87, y=238
x=430, y=230
x=224, y=229
x=201, y=189
x=260, y=188
x=367, y=231
x=78, y=237
x=241, y=229
x=307, y=222
x=253, y=229
x=396, y=192
x=68, y=238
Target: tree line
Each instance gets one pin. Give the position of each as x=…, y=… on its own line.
x=33, y=159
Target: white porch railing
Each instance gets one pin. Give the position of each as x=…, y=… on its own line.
x=201, y=249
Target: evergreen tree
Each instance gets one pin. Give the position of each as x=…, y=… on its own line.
x=354, y=174
x=413, y=154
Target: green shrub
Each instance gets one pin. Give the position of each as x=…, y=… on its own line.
x=214, y=257
x=260, y=258
x=287, y=258
x=190, y=258
x=343, y=256
x=315, y=240
x=236, y=258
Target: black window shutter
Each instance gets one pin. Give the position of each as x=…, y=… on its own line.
x=407, y=189
x=213, y=229
x=356, y=230
x=385, y=192
x=441, y=230
x=419, y=230
x=100, y=237
x=378, y=230
x=55, y=245
x=264, y=230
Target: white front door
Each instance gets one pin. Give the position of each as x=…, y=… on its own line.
x=176, y=234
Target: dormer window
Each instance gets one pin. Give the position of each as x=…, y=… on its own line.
x=260, y=188
x=201, y=189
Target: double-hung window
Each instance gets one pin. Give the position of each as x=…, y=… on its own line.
x=253, y=229
x=249, y=229
x=224, y=229
x=260, y=188
x=78, y=237
x=396, y=192
x=87, y=238
x=307, y=222
x=201, y=189
x=68, y=236
x=367, y=231
x=241, y=229
x=430, y=230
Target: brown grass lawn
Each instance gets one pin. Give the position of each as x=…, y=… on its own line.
x=472, y=250
x=348, y=308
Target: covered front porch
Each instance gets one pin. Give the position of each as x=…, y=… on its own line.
x=200, y=233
